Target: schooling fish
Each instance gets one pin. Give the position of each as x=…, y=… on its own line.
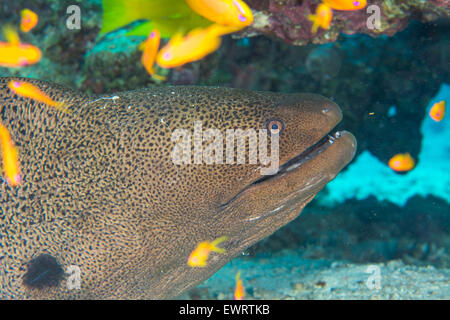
x=150, y=49
x=322, y=18
x=112, y=214
x=175, y=20
x=194, y=46
x=227, y=12
x=345, y=4
x=201, y=253
x=437, y=111
x=16, y=54
x=11, y=166
x=401, y=162
x=29, y=20
x=29, y=90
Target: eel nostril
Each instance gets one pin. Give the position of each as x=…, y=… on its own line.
x=332, y=112
x=325, y=110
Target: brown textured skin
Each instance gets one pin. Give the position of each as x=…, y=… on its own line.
x=100, y=190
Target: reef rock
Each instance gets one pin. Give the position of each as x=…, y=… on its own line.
x=288, y=19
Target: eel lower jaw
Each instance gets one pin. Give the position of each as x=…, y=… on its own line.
x=310, y=153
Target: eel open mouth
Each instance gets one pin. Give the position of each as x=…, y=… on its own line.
x=310, y=153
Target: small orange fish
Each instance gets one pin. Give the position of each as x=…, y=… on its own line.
x=437, y=111
x=401, y=162
x=28, y=90
x=194, y=46
x=346, y=4
x=239, y=292
x=29, y=20
x=11, y=167
x=200, y=254
x=16, y=54
x=322, y=18
x=150, y=49
x=227, y=12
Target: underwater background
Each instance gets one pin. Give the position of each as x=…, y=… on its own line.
x=370, y=217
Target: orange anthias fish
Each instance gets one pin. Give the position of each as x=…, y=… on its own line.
x=322, y=18
x=346, y=4
x=150, y=49
x=402, y=162
x=437, y=111
x=194, y=46
x=28, y=90
x=239, y=293
x=16, y=54
x=227, y=12
x=200, y=254
x=11, y=167
x=29, y=20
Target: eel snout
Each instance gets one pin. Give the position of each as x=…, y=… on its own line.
x=315, y=156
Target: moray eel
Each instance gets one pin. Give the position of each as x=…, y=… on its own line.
x=104, y=213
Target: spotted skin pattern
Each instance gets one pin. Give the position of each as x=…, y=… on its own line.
x=101, y=192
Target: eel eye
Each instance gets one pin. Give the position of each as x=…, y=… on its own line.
x=275, y=126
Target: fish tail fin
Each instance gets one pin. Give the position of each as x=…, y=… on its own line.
x=219, y=250
x=221, y=30
x=315, y=20
x=158, y=77
x=141, y=46
x=119, y=13
x=216, y=242
x=63, y=107
x=151, y=71
x=11, y=34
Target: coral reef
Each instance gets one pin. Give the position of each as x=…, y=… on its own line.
x=113, y=64
x=63, y=49
x=287, y=19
